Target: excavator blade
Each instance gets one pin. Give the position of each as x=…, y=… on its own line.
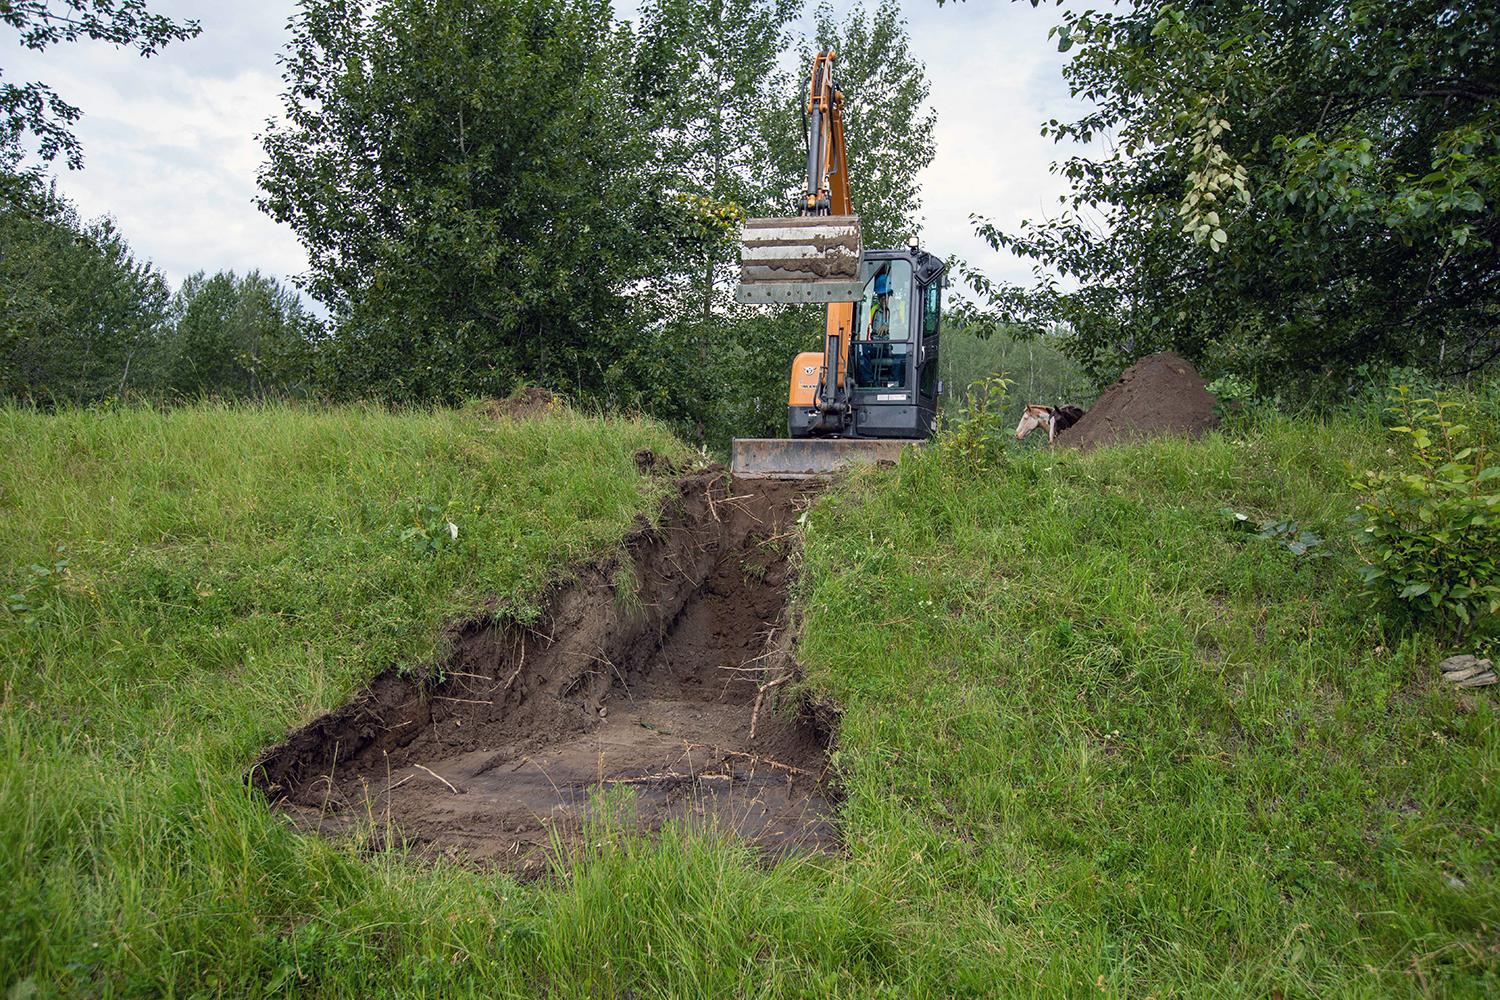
x=812, y=258
x=809, y=458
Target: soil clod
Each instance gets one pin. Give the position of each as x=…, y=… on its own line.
x=670, y=689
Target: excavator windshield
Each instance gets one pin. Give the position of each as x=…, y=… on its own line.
x=881, y=350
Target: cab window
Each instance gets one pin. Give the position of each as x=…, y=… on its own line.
x=885, y=312
x=932, y=307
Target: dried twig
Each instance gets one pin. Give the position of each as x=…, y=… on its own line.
x=755, y=758
x=760, y=697
x=517, y=672
x=451, y=787
x=466, y=701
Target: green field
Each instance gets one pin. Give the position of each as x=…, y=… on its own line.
x=1094, y=742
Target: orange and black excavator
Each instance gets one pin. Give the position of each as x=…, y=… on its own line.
x=873, y=388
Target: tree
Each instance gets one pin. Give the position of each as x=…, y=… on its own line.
x=475, y=198
x=79, y=316
x=36, y=108
x=235, y=336
x=1287, y=191
x=706, y=84
x=730, y=125
x=889, y=128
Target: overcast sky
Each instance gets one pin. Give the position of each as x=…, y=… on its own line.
x=171, y=149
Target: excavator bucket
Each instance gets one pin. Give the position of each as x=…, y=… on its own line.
x=809, y=458
x=812, y=258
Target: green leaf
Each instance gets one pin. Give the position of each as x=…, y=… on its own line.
x=1413, y=590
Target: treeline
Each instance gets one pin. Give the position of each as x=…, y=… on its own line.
x=82, y=320
x=493, y=193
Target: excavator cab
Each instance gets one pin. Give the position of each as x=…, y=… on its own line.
x=890, y=376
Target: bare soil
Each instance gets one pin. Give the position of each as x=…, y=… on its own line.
x=647, y=671
x=1159, y=394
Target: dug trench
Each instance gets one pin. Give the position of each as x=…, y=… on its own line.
x=663, y=670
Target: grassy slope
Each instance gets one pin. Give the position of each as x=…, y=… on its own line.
x=1118, y=747
x=1093, y=743
x=233, y=573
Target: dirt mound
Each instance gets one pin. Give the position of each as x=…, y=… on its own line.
x=657, y=671
x=1160, y=394
x=528, y=402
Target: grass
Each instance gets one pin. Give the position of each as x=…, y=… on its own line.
x=1124, y=750
x=1094, y=742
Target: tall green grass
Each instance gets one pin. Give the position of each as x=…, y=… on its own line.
x=1093, y=742
x=1119, y=748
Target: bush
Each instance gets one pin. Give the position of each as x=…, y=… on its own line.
x=976, y=435
x=1431, y=538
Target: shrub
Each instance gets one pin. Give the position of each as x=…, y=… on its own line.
x=1431, y=538
x=976, y=435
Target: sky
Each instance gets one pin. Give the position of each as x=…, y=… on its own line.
x=172, y=151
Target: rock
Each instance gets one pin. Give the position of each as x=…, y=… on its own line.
x=1464, y=661
x=1480, y=680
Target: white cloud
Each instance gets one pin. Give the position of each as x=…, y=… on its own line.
x=169, y=142
x=172, y=154
x=996, y=78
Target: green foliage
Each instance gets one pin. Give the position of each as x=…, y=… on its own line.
x=710, y=84
x=1291, y=190
x=80, y=318
x=1107, y=748
x=431, y=530
x=1087, y=737
x=1041, y=371
x=475, y=198
x=231, y=572
x=555, y=197
x=1431, y=523
x=41, y=587
x=888, y=124
x=36, y=108
x=1290, y=534
x=234, y=336
x=975, y=436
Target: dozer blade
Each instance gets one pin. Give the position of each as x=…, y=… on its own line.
x=806, y=458
x=811, y=258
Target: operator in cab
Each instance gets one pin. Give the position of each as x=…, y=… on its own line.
x=879, y=326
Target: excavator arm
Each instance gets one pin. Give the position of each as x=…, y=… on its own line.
x=815, y=256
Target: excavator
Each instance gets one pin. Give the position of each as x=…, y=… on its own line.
x=873, y=388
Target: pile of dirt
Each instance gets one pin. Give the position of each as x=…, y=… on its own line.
x=531, y=401
x=1160, y=394
x=659, y=671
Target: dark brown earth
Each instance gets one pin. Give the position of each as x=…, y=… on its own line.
x=528, y=402
x=657, y=691
x=1159, y=394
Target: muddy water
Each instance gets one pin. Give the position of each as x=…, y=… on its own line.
x=652, y=690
